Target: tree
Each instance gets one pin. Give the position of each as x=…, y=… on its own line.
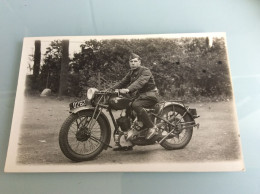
x=185, y=68
x=50, y=70
x=37, y=60
x=64, y=68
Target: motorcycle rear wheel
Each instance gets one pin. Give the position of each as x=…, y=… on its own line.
x=175, y=115
x=77, y=142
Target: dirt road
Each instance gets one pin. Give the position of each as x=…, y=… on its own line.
x=215, y=140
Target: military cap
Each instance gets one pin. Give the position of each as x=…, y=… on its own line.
x=133, y=56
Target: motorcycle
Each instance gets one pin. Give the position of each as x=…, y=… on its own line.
x=87, y=131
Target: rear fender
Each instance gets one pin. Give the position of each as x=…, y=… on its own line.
x=104, y=117
x=176, y=104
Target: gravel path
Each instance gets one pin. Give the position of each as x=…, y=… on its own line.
x=215, y=140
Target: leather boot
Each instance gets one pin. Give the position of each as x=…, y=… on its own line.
x=144, y=117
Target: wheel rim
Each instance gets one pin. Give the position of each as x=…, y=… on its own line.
x=179, y=135
x=81, y=140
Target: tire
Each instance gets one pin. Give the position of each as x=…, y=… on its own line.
x=73, y=126
x=184, y=137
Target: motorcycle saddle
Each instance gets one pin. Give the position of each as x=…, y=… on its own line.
x=154, y=108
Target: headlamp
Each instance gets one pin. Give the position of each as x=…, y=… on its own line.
x=91, y=93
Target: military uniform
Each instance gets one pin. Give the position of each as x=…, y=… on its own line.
x=141, y=82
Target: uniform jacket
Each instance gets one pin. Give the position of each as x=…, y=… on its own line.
x=138, y=80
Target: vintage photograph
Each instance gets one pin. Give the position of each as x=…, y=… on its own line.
x=128, y=103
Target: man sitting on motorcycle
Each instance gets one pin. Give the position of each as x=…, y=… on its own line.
x=140, y=80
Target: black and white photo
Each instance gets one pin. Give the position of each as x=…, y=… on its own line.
x=128, y=103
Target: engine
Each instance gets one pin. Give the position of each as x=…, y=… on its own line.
x=124, y=123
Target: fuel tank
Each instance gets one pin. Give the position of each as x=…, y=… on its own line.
x=119, y=103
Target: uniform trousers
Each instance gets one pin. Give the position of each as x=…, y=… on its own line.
x=144, y=101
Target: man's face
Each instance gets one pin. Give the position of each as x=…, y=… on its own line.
x=134, y=63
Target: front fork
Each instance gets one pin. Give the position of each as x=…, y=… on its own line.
x=90, y=124
x=99, y=110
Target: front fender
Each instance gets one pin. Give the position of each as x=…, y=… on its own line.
x=87, y=107
x=104, y=117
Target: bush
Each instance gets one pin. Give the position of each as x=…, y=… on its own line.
x=183, y=68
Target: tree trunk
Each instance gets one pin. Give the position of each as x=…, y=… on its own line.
x=64, y=68
x=37, y=60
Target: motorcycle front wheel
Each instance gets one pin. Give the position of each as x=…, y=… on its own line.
x=80, y=139
x=180, y=137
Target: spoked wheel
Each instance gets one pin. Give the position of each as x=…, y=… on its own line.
x=182, y=133
x=80, y=139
